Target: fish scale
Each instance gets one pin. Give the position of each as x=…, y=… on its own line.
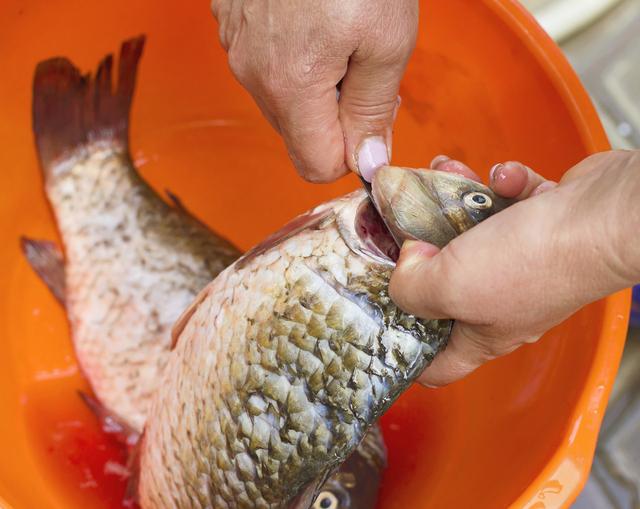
x=314, y=404
x=108, y=220
x=283, y=363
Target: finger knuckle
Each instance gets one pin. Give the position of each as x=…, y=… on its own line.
x=319, y=170
x=370, y=110
x=452, y=269
x=238, y=65
x=401, y=41
x=490, y=348
x=406, y=44
x=273, y=83
x=282, y=79
x=415, y=293
x=222, y=36
x=214, y=5
x=250, y=11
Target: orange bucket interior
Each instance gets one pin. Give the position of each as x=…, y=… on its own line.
x=485, y=84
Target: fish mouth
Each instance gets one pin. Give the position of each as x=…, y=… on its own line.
x=373, y=233
x=398, y=198
x=411, y=205
x=426, y=205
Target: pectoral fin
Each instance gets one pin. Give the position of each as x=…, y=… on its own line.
x=47, y=261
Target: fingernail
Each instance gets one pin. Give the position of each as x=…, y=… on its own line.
x=438, y=160
x=545, y=186
x=496, y=172
x=372, y=154
x=414, y=252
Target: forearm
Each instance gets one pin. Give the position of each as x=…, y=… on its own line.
x=598, y=225
x=626, y=223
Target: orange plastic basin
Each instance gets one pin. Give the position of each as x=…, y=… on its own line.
x=485, y=84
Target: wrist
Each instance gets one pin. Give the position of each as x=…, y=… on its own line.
x=624, y=222
x=603, y=213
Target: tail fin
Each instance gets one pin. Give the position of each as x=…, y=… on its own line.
x=71, y=110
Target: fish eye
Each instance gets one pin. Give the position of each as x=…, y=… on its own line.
x=478, y=201
x=326, y=500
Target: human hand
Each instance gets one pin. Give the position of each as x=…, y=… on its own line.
x=290, y=55
x=519, y=273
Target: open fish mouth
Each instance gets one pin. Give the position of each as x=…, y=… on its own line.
x=426, y=205
x=373, y=232
x=402, y=205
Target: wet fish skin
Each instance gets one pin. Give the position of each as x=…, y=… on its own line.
x=116, y=229
x=284, y=362
x=418, y=207
x=132, y=261
x=288, y=357
x=355, y=484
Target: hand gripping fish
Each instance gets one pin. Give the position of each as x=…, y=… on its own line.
x=287, y=358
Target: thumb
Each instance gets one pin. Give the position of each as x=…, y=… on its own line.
x=369, y=99
x=421, y=282
x=424, y=284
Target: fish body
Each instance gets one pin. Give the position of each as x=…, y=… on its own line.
x=132, y=262
x=132, y=265
x=285, y=361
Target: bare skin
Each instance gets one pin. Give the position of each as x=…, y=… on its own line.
x=565, y=245
x=291, y=55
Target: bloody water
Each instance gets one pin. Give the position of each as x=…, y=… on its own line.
x=88, y=465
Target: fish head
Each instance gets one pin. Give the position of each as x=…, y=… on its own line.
x=427, y=205
x=356, y=483
x=430, y=205
x=354, y=486
x=343, y=491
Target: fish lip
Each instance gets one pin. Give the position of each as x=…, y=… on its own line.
x=432, y=191
x=369, y=190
